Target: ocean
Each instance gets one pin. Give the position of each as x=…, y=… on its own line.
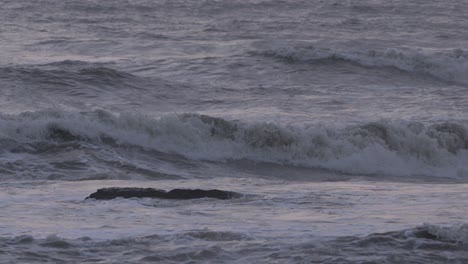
x=342, y=124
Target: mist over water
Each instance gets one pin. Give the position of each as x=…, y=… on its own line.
x=343, y=123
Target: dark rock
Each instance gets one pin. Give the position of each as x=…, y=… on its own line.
x=182, y=194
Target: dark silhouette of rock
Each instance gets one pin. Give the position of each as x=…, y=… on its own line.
x=182, y=194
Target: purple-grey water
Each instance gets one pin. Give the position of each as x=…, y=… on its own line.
x=343, y=123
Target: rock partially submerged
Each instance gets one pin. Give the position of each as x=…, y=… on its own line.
x=182, y=194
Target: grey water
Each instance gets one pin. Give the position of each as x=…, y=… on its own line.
x=343, y=123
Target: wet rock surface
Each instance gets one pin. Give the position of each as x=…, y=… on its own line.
x=181, y=194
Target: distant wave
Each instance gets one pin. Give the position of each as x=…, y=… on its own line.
x=383, y=147
x=446, y=65
x=66, y=73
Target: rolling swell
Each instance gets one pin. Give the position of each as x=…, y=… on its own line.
x=446, y=65
x=382, y=147
x=70, y=76
x=421, y=244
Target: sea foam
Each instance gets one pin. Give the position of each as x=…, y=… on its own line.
x=381, y=147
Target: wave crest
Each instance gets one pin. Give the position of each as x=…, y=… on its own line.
x=425, y=236
x=382, y=147
x=447, y=65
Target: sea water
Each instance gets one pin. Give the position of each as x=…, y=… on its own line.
x=343, y=124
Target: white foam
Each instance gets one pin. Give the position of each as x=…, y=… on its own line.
x=384, y=147
x=457, y=233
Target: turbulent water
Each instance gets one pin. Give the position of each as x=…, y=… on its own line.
x=343, y=123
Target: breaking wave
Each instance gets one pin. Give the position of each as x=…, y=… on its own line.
x=455, y=235
x=450, y=65
x=422, y=244
x=382, y=147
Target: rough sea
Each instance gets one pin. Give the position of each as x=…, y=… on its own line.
x=343, y=124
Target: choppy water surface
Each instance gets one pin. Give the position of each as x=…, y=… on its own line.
x=343, y=122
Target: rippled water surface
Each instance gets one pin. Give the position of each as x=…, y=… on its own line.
x=342, y=123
